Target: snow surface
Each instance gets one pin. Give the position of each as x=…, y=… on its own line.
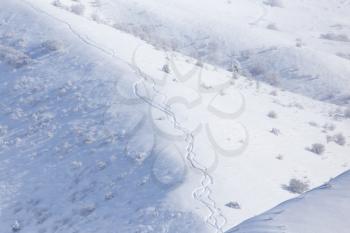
x=322, y=210
x=97, y=136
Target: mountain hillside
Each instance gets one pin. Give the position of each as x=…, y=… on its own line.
x=102, y=130
x=301, y=46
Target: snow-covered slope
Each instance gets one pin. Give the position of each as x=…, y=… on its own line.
x=302, y=46
x=102, y=131
x=322, y=210
x=75, y=156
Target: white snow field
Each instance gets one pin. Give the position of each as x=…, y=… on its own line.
x=101, y=131
x=322, y=210
x=302, y=46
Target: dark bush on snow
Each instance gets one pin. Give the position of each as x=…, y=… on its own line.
x=317, y=148
x=296, y=186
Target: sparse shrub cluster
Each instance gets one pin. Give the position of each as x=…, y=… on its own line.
x=297, y=186
x=335, y=37
x=279, y=157
x=166, y=68
x=233, y=205
x=275, y=131
x=78, y=9
x=87, y=210
x=338, y=138
x=13, y=57
x=313, y=124
x=16, y=227
x=272, y=114
x=52, y=45
x=274, y=3
x=272, y=26
x=317, y=148
x=57, y=3
x=329, y=126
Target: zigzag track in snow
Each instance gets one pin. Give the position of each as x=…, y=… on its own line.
x=201, y=194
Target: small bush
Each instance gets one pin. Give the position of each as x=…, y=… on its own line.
x=313, y=124
x=329, y=126
x=339, y=139
x=272, y=114
x=97, y=18
x=298, y=43
x=16, y=227
x=233, y=205
x=317, y=148
x=52, y=45
x=335, y=37
x=78, y=9
x=296, y=186
x=109, y=196
x=87, y=210
x=272, y=26
x=166, y=68
x=275, y=131
x=57, y=3
x=274, y=3
x=13, y=57
x=199, y=64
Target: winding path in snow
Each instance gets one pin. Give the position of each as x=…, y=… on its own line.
x=201, y=194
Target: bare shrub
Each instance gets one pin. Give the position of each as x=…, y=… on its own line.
x=317, y=148
x=313, y=124
x=296, y=186
x=329, y=126
x=274, y=3
x=166, y=68
x=199, y=64
x=335, y=37
x=272, y=114
x=13, y=57
x=109, y=196
x=97, y=18
x=87, y=210
x=78, y=9
x=57, y=3
x=275, y=131
x=272, y=26
x=233, y=205
x=52, y=45
x=16, y=227
x=339, y=139
x=299, y=43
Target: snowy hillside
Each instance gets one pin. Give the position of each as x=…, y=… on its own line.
x=101, y=131
x=302, y=46
x=72, y=150
x=321, y=210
